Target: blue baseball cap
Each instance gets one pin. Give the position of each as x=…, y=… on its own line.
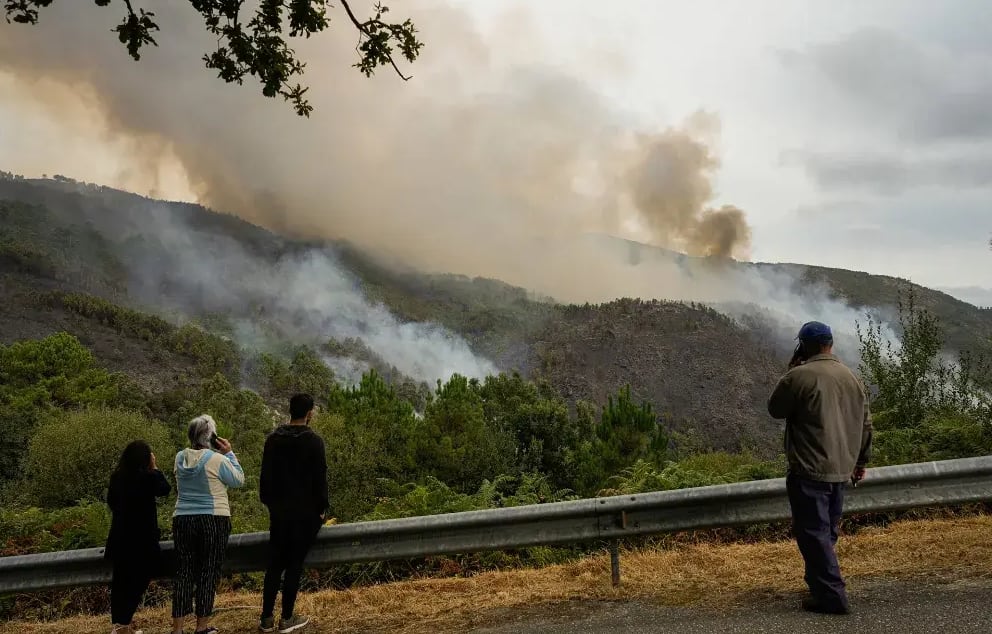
x=815, y=331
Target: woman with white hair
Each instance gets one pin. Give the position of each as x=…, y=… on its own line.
x=201, y=523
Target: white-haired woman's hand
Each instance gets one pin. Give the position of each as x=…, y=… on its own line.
x=223, y=445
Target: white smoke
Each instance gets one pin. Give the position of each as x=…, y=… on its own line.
x=789, y=302
x=304, y=293
x=347, y=370
x=331, y=303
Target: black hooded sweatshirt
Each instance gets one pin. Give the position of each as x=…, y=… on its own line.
x=294, y=472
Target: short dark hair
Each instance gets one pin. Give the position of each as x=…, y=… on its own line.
x=300, y=405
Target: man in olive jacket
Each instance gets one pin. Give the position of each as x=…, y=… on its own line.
x=827, y=442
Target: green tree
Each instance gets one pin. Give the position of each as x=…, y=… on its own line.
x=301, y=371
x=39, y=377
x=257, y=46
x=926, y=407
x=454, y=442
x=243, y=417
x=907, y=376
x=537, y=418
x=213, y=353
x=72, y=454
x=627, y=432
x=912, y=379
x=366, y=432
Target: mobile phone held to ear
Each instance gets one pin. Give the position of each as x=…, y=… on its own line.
x=213, y=442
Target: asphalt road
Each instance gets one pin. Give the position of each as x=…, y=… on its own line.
x=878, y=608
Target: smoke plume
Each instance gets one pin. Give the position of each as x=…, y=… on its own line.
x=474, y=167
x=383, y=160
x=671, y=184
x=304, y=293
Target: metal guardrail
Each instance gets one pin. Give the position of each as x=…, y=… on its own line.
x=608, y=519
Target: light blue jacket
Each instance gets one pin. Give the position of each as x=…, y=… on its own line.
x=202, y=478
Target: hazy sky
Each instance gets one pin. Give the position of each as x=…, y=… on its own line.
x=854, y=134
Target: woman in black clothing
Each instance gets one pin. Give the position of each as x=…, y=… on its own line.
x=132, y=545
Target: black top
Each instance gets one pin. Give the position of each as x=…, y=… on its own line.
x=134, y=528
x=294, y=472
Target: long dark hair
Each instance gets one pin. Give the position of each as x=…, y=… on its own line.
x=135, y=460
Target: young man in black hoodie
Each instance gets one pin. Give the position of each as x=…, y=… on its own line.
x=293, y=485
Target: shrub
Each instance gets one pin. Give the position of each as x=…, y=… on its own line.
x=938, y=437
x=696, y=471
x=212, y=353
x=33, y=530
x=39, y=376
x=72, y=454
x=433, y=497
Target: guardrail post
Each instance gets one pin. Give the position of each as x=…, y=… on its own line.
x=615, y=562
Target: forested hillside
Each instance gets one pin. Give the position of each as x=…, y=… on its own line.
x=189, y=265
x=185, y=264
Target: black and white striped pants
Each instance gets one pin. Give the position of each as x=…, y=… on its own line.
x=201, y=543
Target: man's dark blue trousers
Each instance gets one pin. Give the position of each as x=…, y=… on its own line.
x=816, y=510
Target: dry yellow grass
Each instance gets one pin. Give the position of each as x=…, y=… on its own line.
x=704, y=574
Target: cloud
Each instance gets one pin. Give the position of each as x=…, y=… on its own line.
x=890, y=174
x=944, y=219
x=934, y=238
x=895, y=114
x=921, y=92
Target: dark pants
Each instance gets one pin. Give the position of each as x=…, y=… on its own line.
x=816, y=510
x=290, y=539
x=130, y=580
x=201, y=543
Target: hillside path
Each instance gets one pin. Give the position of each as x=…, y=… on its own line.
x=879, y=608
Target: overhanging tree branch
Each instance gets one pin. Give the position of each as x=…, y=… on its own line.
x=259, y=47
x=366, y=28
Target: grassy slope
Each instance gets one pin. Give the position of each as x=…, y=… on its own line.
x=702, y=574
x=43, y=253
x=22, y=316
